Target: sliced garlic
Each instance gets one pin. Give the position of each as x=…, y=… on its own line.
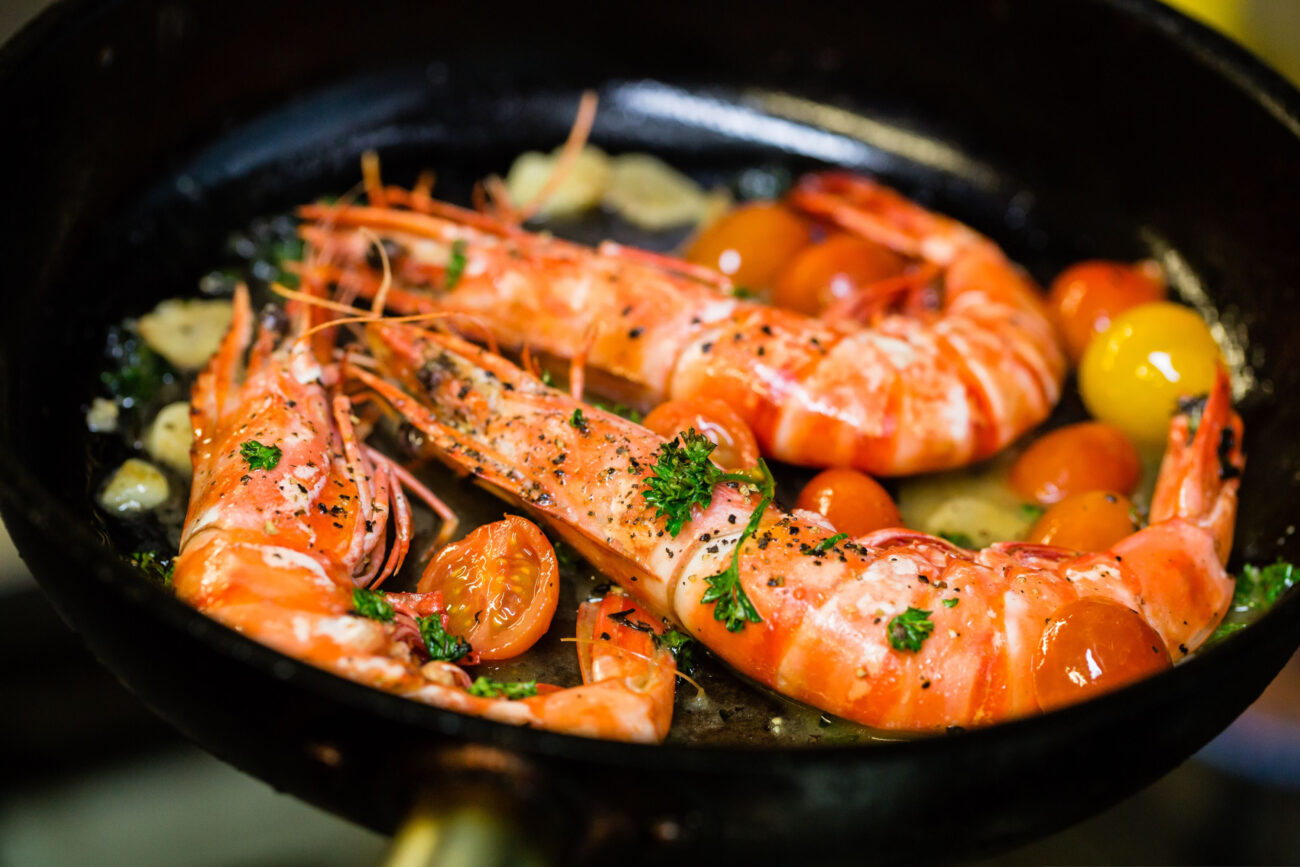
x=136, y=486
x=102, y=415
x=653, y=195
x=186, y=331
x=580, y=190
x=168, y=439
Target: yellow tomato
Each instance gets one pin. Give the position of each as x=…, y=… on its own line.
x=1133, y=373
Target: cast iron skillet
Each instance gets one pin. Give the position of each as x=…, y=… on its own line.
x=137, y=133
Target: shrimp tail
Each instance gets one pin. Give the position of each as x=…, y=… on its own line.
x=1202, y=466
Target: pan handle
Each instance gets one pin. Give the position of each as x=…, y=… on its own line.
x=479, y=830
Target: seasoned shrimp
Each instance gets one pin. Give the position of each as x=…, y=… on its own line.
x=289, y=516
x=951, y=373
x=896, y=629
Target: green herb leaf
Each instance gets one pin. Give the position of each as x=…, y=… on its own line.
x=156, y=567
x=258, y=456
x=547, y=379
x=578, y=420
x=951, y=602
x=743, y=292
x=826, y=544
x=909, y=630
x=440, y=643
x=372, y=604
x=139, y=373
x=1031, y=511
x=1257, y=589
x=486, y=687
x=682, y=647
x=961, y=540
x=627, y=412
x=456, y=263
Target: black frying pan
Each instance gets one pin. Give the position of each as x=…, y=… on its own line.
x=137, y=133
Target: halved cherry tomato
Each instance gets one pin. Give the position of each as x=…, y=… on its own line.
x=1091, y=646
x=1087, y=296
x=1087, y=521
x=500, y=584
x=1133, y=375
x=736, y=447
x=852, y=501
x=1089, y=456
x=830, y=270
x=751, y=244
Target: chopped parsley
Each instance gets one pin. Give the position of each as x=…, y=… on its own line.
x=743, y=292
x=258, y=456
x=1030, y=512
x=138, y=373
x=578, y=420
x=547, y=379
x=681, y=646
x=627, y=412
x=951, y=602
x=826, y=544
x=1193, y=408
x=961, y=540
x=683, y=477
x=1256, y=591
x=158, y=568
x=372, y=604
x=486, y=687
x=440, y=643
x=909, y=630
x=456, y=263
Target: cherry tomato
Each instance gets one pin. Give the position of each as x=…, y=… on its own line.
x=1091, y=646
x=1081, y=457
x=1133, y=375
x=1087, y=296
x=751, y=244
x=500, y=584
x=736, y=447
x=853, y=502
x=1087, y=521
x=821, y=273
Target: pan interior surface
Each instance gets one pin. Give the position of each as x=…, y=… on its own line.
x=1004, y=153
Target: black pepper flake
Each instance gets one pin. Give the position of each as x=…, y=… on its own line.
x=706, y=347
x=322, y=508
x=925, y=684
x=635, y=333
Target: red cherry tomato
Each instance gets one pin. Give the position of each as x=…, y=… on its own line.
x=1081, y=457
x=736, y=447
x=751, y=244
x=500, y=584
x=822, y=273
x=853, y=502
x=1087, y=521
x=1091, y=646
x=1087, y=296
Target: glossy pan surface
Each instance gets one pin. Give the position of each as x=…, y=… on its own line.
x=143, y=131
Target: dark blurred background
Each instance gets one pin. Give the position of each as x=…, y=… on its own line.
x=89, y=776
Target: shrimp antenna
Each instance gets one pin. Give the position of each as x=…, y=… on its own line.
x=573, y=145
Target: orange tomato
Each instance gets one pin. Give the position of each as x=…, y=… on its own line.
x=1087, y=296
x=736, y=447
x=1091, y=646
x=824, y=272
x=500, y=584
x=1087, y=521
x=852, y=501
x=751, y=244
x=1088, y=456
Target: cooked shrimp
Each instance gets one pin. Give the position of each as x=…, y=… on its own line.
x=896, y=629
x=289, y=515
x=950, y=374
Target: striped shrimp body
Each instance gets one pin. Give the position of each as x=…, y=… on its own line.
x=953, y=373
x=897, y=629
x=290, y=513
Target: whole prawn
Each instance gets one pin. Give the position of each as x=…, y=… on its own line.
x=985, y=635
x=937, y=369
x=290, y=512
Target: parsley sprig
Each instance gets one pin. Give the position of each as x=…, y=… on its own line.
x=1256, y=590
x=684, y=477
x=909, y=630
x=372, y=604
x=258, y=456
x=157, y=567
x=486, y=687
x=440, y=643
x=456, y=263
